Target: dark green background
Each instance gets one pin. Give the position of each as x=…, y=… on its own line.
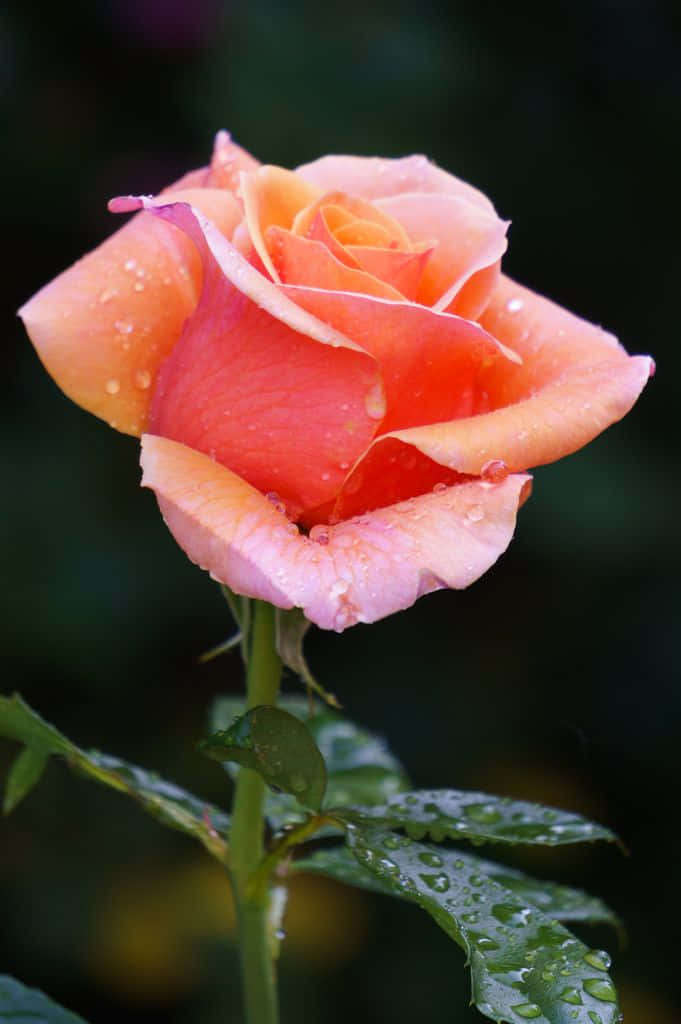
x=555, y=677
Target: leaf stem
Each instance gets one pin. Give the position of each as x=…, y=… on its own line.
x=257, y=968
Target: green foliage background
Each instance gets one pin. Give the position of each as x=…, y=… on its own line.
x=554, y=678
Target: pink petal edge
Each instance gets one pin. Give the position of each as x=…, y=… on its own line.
x=357, y=571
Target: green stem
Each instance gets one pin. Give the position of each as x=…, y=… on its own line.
x=257, y=968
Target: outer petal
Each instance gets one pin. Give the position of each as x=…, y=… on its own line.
x=103, y=327
x=374, y=177
x=261, y=385
x=433, y=365
x=358, y=571
x=469, y=239
x=574, y=381
x=227, y=163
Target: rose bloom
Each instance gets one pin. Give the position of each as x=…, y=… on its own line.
x=338, y=391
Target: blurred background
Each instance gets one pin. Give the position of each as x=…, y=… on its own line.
x=555, y=678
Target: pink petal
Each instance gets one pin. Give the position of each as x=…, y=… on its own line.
x=260, y=384
x=574, y=381
x=375, y=177
x=228, y=163
x=469, y=239
x=434, y=366
x=358, y=571
x=402, y=270
x=307, y=262
x=103, y=327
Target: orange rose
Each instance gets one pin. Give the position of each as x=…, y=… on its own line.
x=338, y=391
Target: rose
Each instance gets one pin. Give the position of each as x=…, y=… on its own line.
x=344, y=420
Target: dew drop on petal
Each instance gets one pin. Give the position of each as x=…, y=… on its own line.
x=319, y=535
x=142, y=379
x=495, y=471
x=123, y=326
x=112, y=386
x=374, y=402
x=439, y=488
x=108, y=294
x=514, y=305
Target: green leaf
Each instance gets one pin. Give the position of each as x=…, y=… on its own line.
x=554, y=900
x=24, y=774
x=279, y=747
x=455, y=814
x=291, y=626
x=22, y=1005
x=360, y=768
x=167, y=802
x=524, y=965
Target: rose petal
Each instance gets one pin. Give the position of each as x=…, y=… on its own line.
x=358, y=571
x=574, y=381
x=402, y=270
x=272, y=196
x=260, y=384
x=343, y=210
x=373, y=177
x=469, y=239
x=228, y=162
x=103, y=327
x=306, y=262
x=433, y=365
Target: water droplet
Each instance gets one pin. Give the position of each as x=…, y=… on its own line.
x=527, y=1010
x=338, y=588
x=470, y=918
x=438, y=883
x=130, y=265
x=594, y=1017
x=374, y=402
x=483, y=814
x=392, y=843
x=123, y=326
x=474, y=514
x=440, y=488
x=601, y=988
x=476, y=879
x=495, y=471
x=571, y=995
x=431, y=859
x=547, y=975
x=509, y=914
x=598, y=958
x=139, y=287
x=112, y=386
x=319, y=535
x=485, y=943
x=280, y=934
x=459, y=863
x=326, y=476
x=142, y=379
x=108, y=294
x=514, y=305
x=297, y=783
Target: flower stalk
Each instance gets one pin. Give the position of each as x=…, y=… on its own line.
x=257, y=967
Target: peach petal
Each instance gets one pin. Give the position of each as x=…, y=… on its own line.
x=103, y=327
x=273, y=196
x=402, y=270
x=228, y=162
x=375, y=177
x=363, y=232
x=343, y=210
x=469, y=239
x=357, y=571
x=433, y=365
x=306, y=262
x=320, y=231
x=575, y=380
x=260, y=384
